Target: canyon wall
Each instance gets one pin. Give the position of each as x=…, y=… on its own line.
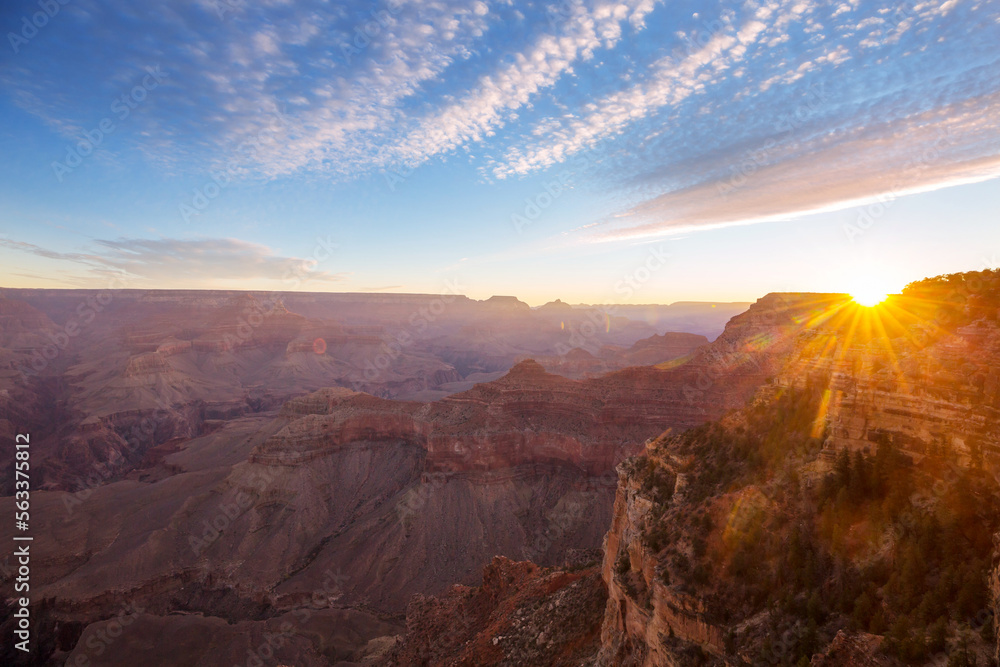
x=646, y=622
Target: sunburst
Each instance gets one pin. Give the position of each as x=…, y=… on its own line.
x=870, y=285
x=869, y=297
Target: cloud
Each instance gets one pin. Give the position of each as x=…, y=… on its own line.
x=359, y=87
x=729, y=129
x=338, y=73
x=33, y=249
x=181, y=263
x=665, y=105
x=670, y=83
x=772, y=184
x=477, y=114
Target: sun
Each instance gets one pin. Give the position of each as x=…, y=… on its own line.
x=870, y=285
x=869, y=297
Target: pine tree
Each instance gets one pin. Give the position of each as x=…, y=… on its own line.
x=939, y=635
x=859, y=477
x=864, y=609
x=842, y=468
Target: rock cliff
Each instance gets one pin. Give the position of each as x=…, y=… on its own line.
x=760, y=538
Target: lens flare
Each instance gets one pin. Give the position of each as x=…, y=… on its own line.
x=869, y=297
x=869, y=284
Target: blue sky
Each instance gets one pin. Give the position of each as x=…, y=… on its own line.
x=633, y=151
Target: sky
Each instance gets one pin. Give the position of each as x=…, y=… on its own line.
x=634, y=151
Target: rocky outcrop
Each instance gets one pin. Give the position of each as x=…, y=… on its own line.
x=521, y=615
x=507, y=305
x=944, y=394
x=557, y=307
x=895, y=377
x=646, y=622
x=527, y=417
x=141, y=365
x=657, y=349
x=172, y=346
x=881, y=377
x=665, y=347
x=852, y=650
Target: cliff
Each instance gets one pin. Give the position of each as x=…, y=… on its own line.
x=743, y=542
x=646, y=622
x=845, y=516
x=894, y=375
x=657, y=349
x=526, y=417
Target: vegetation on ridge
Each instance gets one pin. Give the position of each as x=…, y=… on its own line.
x=792, y=544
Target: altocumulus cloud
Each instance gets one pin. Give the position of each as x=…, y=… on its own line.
x=904, y=101
x=194, y=263
x=690, y=114
x=363, y=86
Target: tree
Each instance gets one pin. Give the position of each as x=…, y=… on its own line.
x=878, y=623
x=842, y=468
x=938, y=635
x=961, y=657
x=859, y=477
x=814, y=608
x=864, y=609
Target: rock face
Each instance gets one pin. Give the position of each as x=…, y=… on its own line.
x=168, y=473
x=852, y=650
x=642, y=612
x=520, y=615
x=140, y=365
x=893, y=374
x=476, y=434
x=154, y=365
x=946, y=393
x=527, y=417
x=899, y=378
x=390, y=498
x=251, y=511
x=657, y=349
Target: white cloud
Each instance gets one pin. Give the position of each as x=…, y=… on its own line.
x=670, y=83
x=482, y=110
x=194, y=262
x=365, y=88
x=868, y=162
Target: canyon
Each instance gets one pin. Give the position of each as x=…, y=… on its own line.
x=223, y=456
x=711, y=556
x=129, y=370
x=488, y=492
